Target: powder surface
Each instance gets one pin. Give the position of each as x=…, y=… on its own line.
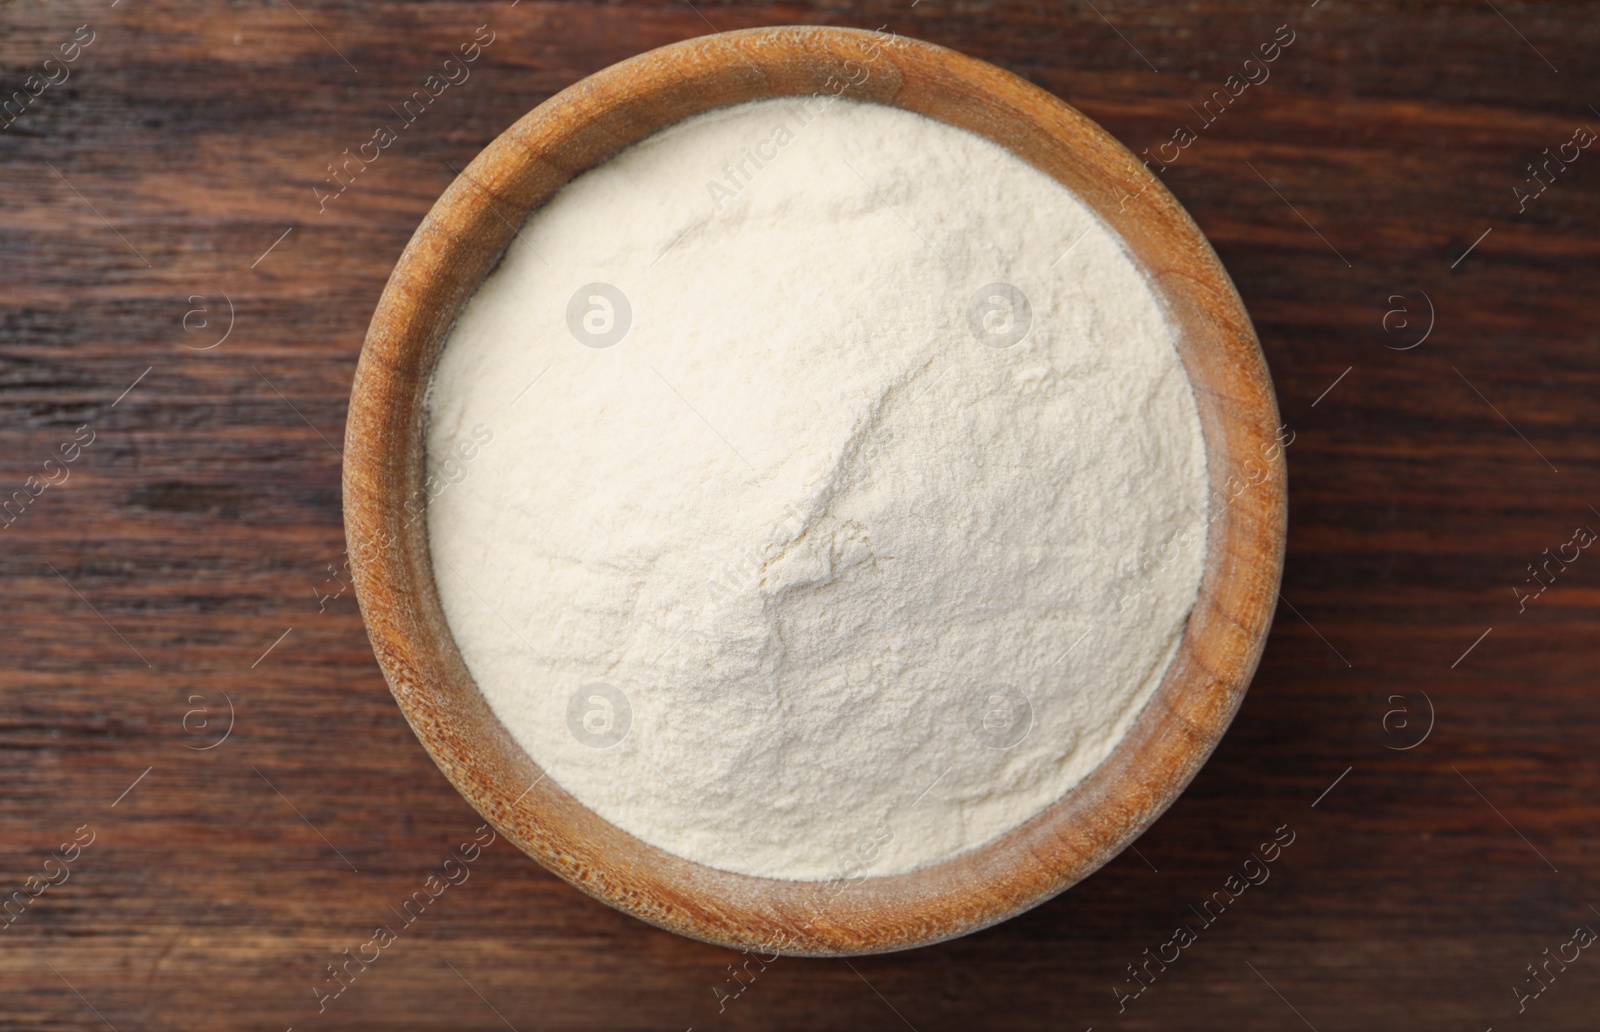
x=787, y=555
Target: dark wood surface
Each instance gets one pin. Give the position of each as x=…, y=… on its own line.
x=201, y=522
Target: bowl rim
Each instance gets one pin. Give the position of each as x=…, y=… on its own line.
x=462, y=238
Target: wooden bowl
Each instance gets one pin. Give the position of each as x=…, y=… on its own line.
x=463, y=237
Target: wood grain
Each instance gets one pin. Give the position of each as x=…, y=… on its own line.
x=200, y=522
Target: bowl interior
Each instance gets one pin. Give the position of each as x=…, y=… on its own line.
x=460, y=241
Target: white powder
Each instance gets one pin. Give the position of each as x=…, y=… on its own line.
x=856, y=590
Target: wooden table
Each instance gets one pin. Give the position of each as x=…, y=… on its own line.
x=171, y=286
